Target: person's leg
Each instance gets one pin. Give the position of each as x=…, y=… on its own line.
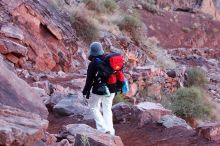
x=107, y=113
x=94, y=104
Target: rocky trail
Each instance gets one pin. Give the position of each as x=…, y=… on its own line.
x=43, y=61
x=132, y=135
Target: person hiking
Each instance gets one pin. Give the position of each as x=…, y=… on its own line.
x=104, y=122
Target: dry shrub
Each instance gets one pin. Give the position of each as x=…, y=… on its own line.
x=85, y=28
x=129, y=23
x=109, y=5
x=196, y=77
x=157, y=54
x=164, y=60
x=133, y=27
x=191, y=103
x=101, y=6
x=150, y=5
x=58, y=4
x=118, y=98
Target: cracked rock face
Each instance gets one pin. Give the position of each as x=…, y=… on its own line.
x=47, y=35
x=20, y=128
x=17, y=93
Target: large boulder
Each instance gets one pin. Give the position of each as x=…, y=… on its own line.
x=141, y=114
x=150, y=112
x=20, y=128
x=211, y=7
x=122, y=112
x=210, y=131
x=86, y=135
x=72, y=104
x=17, y=93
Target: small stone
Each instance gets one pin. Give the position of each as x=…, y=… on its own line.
x=140, y=7
x=64, y=142
x=71, y=138
x=171, y=74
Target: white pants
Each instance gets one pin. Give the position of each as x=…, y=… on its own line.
x=104, y=122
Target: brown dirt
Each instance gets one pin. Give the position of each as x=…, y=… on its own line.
x=182, y=30
x=132, y=135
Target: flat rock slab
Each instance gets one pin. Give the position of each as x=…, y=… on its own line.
x=169, y=121
x=151, y=106
x=86, y=135
x=72, y=105
x=8, y=46
x=140, y=114
x=12, y=31
x=20, y=128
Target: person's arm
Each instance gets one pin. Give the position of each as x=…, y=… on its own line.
x=91, y=72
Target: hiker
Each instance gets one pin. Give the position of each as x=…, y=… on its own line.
x=104, y=123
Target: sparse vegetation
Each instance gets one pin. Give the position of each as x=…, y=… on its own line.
x=129, y=23
x=133, y=27
x=196, y=77
x=143, y=93
x=143, y=96
x=80, y=18
x=85, y=28
x=191, y=102
x=101, y=6
x=85, y=141
x=58, y=4
x=164, y=60
x=149, y=5
x=109, y=5
x=118, y=98
x=156, y=53
x=153, y=2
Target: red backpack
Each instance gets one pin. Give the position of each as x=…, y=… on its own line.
x=111, y=67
